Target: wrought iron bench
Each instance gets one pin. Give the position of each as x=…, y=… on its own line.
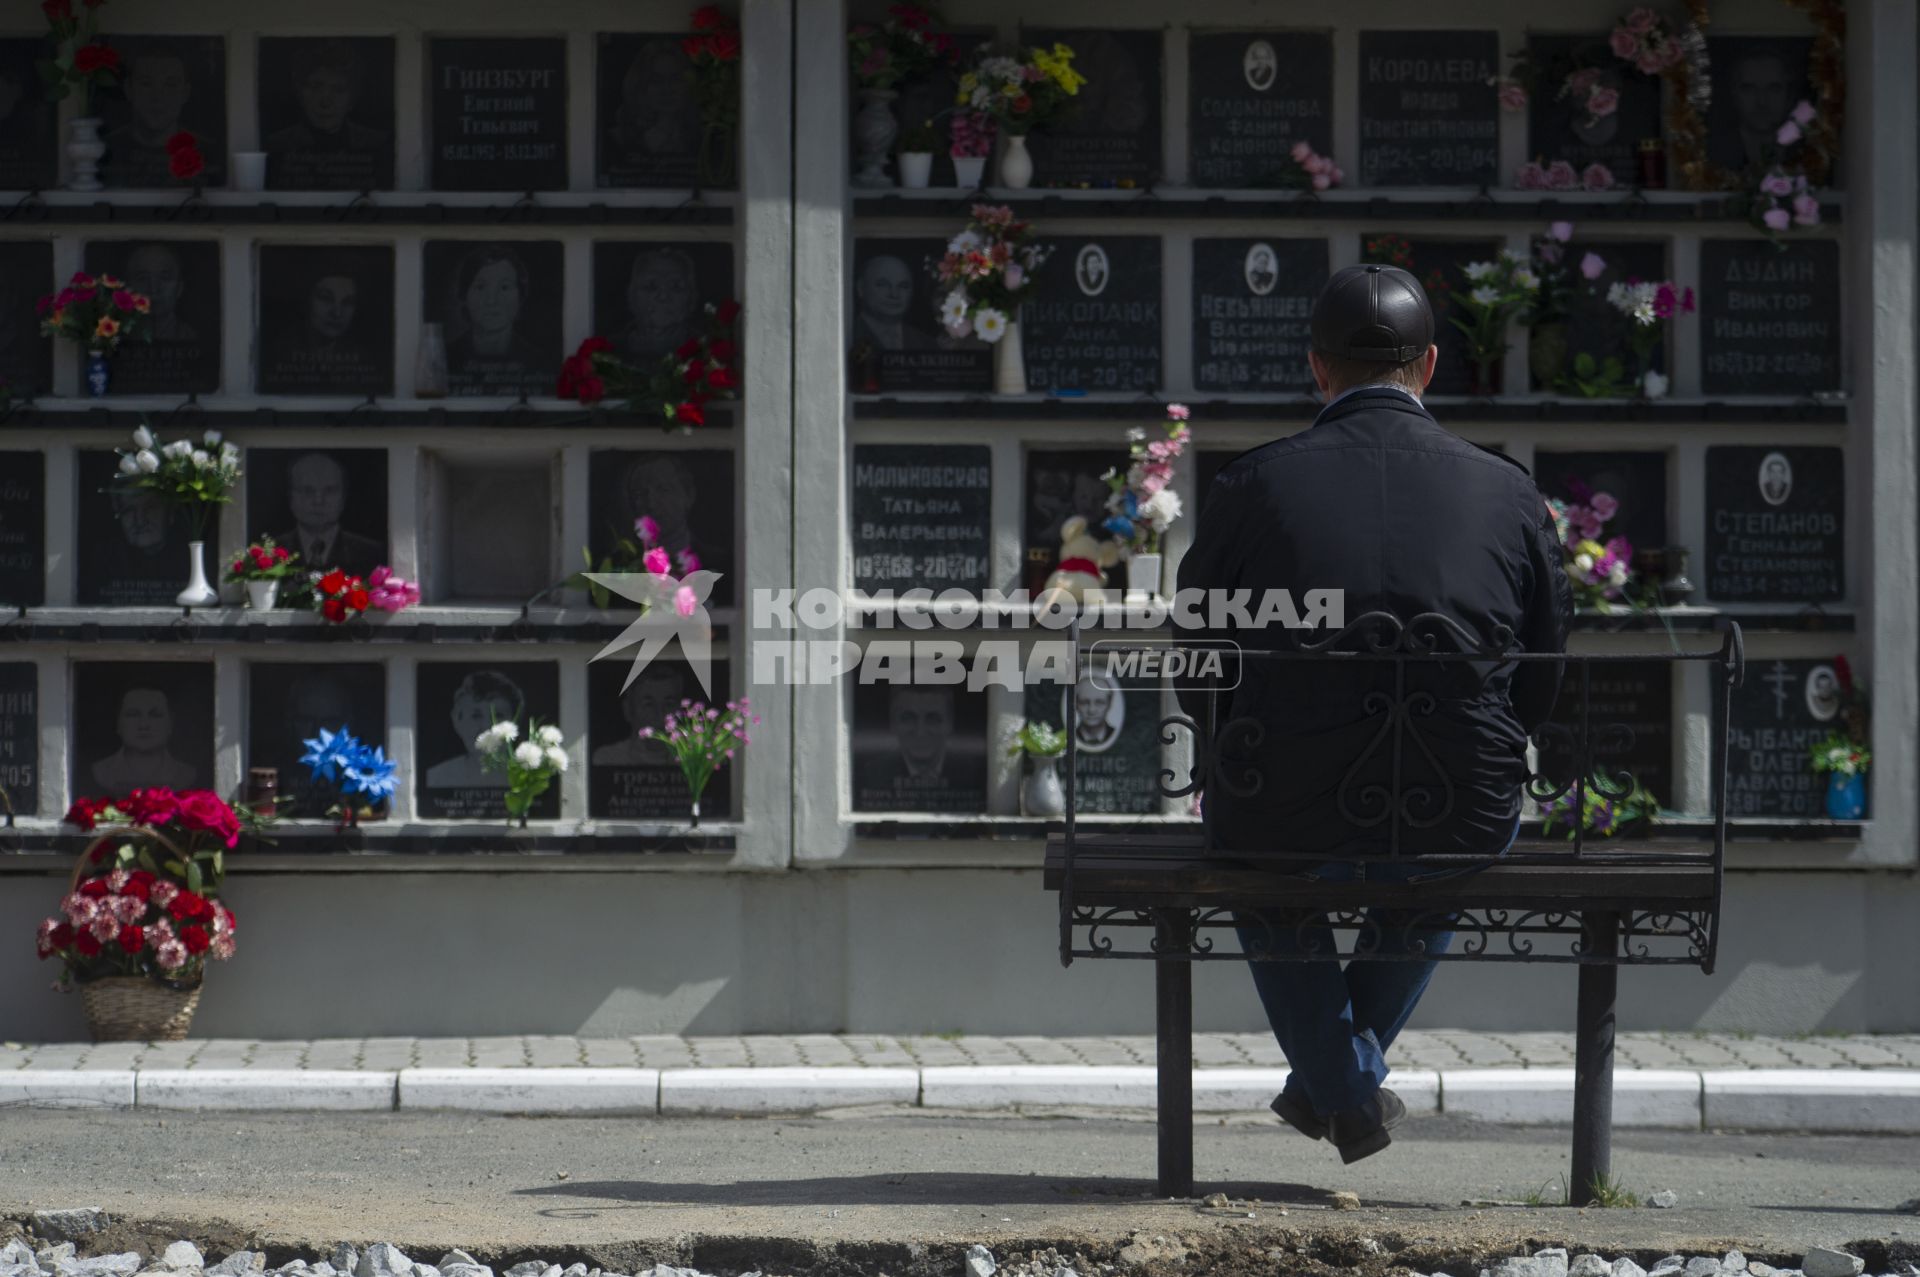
x=1163, y=897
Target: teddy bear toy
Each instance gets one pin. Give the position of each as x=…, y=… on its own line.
x=1082, y=564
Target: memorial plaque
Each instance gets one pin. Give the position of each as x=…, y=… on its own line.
x=1253, y=312
x=326, y=320
x=499, y=307
x=687, y=492
x=1594, y=325
x=1439, y=265
x=919, y=746
x=1559, y=127
x=141, y=725
x=648, y=298
x=168, y=84
x=328, y=505
x=1630, y=718
x=1110, y=133
x=23, y=529
x=1776, y=525
x=897, y=342
x=499, y=107
x=1769, y=317
x=26, y=358
x=1777, y=716
x=181, y=279
x=132, y=548
x=1637, y=480
x=1118, y=725
x=289, y=703
x=1094, y=321
x=458, y=701
x=1251, y=96
x=20, y=737
x=326, y=112
x=499, y=527
x=29, y=142
x=1757, y=81
x=1428, y=111
x=1061, y=485
x=648, y=129
x=636, y=778
x=922, y=517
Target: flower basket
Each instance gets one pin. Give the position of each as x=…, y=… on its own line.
x=125, y=1008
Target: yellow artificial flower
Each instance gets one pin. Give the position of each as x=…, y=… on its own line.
x=1057, y=65
x=1591, y=547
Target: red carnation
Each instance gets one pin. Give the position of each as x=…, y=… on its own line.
x=89, y=59
x=84, y=812
x=333, y=582
x=85, y=944
x=133, y=939
x=729, y=311
x=185, y=906
x=595, y=346
x=95, y=888
x=592, y=390
x=185, y=165
x=720, y=379
x=688, y=348
x=195, y=938
x=138, y=890
x=334, y=610
x=357, y=599
x=261, y=559
x=694, y=374
x=152, y=806
x=181, y=141
x=722, y=350
x=724, y=45
x=709, y=17
x=61, y=936
x=280, y=554
x=203, y=810
x=691, y=413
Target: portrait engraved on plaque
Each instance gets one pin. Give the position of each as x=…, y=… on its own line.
x=499, y=306
x=648, y=297
x=326, y=320
x=181, y=281
x=141, y=725
x=326, y=112
x=168, y=85
x=457, y=702
x=328, y=505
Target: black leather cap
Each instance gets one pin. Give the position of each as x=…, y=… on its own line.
x=1377, y=313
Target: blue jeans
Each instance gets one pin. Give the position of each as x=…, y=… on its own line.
x=1335, y=1024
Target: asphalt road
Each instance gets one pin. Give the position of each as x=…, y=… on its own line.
x=620, y=1189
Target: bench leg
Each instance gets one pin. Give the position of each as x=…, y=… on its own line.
x=1173, y=1027
x=1593, y=1063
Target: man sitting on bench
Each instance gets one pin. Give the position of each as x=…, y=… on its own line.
x=1378, y=501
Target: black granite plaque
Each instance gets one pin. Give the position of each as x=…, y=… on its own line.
x=181, y=278
x=1757, y=81
x=1061, y=485
x=648, y=129
x=141, y=725
x=168, y=84
x=689, y=495
x=631, y=778
x=326, y=112
x=1630, y=726
x=328, y=505
x=1111, y=131
x=23, y=529
x=1637, y=480
x=1117, y=720
x=1094, y=321
x=499, y=527
x=26, y=358
x=1438, y=264
x=288, y=703
x=1428, y=112
x=1594, y=325
x=132, y=548
x=29, y=144
x=1251, y=96
x=1776, y=525
x=1253, y=311
x=921, y=517
x=20, y=737
x=1769, y=317
x=458, y=701
x=897, y=342
x=326, y=320
x=1783, y=709
x=648, y=297
x=919, y=746
x=499, y=307
x=1560, y=127
x=499, y=107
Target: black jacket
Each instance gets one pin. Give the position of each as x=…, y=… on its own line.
x=1377, y=500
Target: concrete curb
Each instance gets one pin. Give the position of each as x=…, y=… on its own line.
x=1870, y=1101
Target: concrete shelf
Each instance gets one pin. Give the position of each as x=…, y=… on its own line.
x=1532, y=410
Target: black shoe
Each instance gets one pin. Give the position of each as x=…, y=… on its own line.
x=1298, y=1115
x=1362, y=1132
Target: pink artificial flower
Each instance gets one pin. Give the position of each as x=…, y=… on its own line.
x=1806, y=210
x=1321, y=181
x=1665, y=301
x=104, y=928
x=127, y=909
x=1597, y=177
x=117, y=880
x=1531, y=177
x=646, y=529
x=1581, y=81
x=1302, y=151
x=1777, y=219
x=222, y=947
x=1776, y=183
x=1316, y=164
x=1603, y=102
x=1592, y=266
x=1177, y=412
x=687, y=562
x=1686, y=302
x=684, y=601
x=1625, y=44
x=1338, y=175
x=1561, y=177
x=1604, y=504
x=1804, y=114
x=164, y=893
x=1652, y=59
x=171, y=955
x=1789, y=134
x=656, y=561
x=1560, y=231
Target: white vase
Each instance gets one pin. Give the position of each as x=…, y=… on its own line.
x=916, y=170
x=1143, y=577
x=874, y=129
x=249, y=170
x=1041, y=793
x=84, y=149
x=262, y=594
x=198, y=593
x=1016, y=163
x=1010, y=363
x=969, y=171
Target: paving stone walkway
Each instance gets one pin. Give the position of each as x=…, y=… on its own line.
x=1431, y=1049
